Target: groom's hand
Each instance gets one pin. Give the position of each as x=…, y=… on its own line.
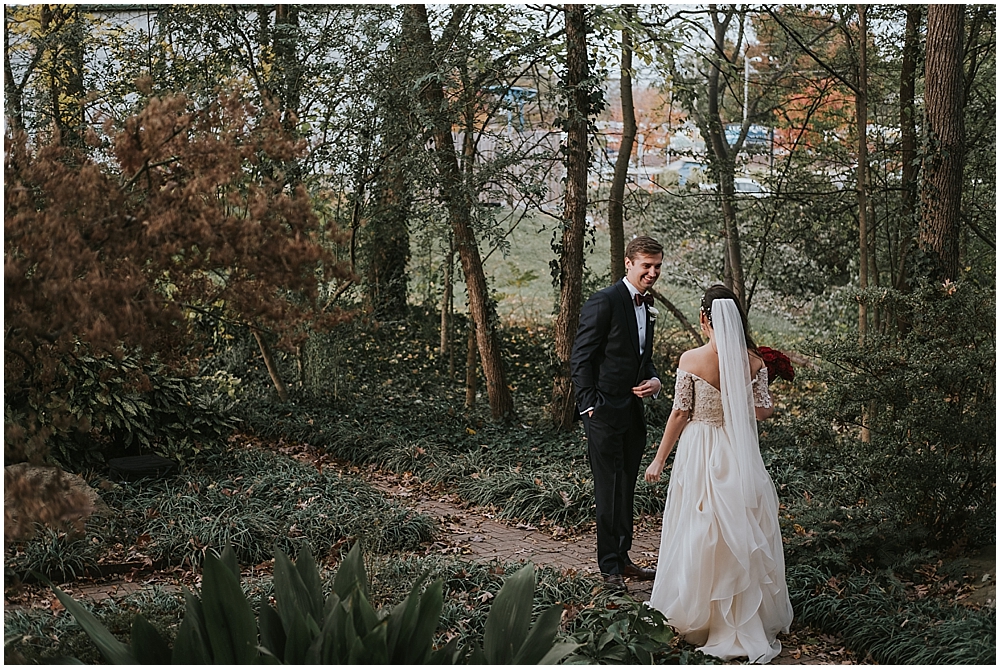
x=647, y=388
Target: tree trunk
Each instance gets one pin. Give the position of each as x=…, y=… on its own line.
x=470, y=367
x=459, y=207
x=679, y=315
x=725, y=162
x=941, y=195
x=287, y=79
x=861, y=116
x=575, y=216
x=908, y=140
x=616, y=201
x=446, y=300
x=287, y=63
x=13, y=99
x=272, y=367
x=387, y=235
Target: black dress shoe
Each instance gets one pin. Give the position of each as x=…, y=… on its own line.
x=615, y=583
x=639, y=573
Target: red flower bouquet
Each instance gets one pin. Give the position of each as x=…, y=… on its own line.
x=778, y=364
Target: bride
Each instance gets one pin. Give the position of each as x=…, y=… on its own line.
x=720, y=580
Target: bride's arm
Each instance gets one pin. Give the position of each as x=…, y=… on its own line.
x=675, y=425
x=763, y=403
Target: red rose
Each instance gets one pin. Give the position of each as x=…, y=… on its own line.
x=777, y=363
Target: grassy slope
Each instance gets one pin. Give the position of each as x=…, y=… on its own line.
x=522, y=281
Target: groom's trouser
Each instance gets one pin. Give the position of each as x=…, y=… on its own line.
x=616, y=439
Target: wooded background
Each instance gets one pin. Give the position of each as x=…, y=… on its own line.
x=175, y=172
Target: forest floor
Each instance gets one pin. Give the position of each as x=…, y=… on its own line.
x=477, y=533
x=473, y=533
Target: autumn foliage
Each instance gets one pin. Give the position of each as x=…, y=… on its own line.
x=174, y=212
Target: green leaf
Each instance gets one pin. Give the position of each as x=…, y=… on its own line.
x=413, y=622
x=477, y=656
x=541, y=637
x=357, y=652
x=272, y=634
x=232, y=628
x=402, y=622
x=299, y=639
x=148, y=646
x=228, y=558
x=290, y=592
x=447, y=654
x=334, y=649
x=374, y=644
x=113, y=650
x=191, y=645
x=365, y=617
x=509, y=617
x=305, y=566
x=558, y=652
x=428, y=618
x=351, y=574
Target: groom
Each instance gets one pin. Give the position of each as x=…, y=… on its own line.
x=612, y=371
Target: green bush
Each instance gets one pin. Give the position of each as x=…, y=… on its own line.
x=926, y=390
x=124, y=406
x=220, y=627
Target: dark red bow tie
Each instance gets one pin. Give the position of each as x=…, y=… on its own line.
x=643, y=299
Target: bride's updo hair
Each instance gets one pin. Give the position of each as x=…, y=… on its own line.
x=720, y=292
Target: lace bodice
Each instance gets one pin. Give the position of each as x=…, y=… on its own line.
x=704, y=401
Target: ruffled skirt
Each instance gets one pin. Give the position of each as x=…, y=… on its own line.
x=720, y=580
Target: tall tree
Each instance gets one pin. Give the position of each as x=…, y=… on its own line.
x=387, y=236
x=44, y=45
x=575, y=212
x=616, y=200
x=941, y=195
x=724, y=155
x=908, y=137
x=458, y=201
x=861, y=117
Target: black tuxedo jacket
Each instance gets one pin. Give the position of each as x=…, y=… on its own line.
x=605, y=362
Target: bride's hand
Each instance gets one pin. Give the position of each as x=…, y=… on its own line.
x=653, y=471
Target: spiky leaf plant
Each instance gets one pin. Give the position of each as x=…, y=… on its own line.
x=220, y=628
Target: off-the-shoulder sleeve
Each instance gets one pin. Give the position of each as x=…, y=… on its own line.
x=761, y=396
x=684, y=391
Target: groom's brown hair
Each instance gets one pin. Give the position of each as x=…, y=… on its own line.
x=643, y=245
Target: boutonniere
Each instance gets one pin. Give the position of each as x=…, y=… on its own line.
x=653, y=313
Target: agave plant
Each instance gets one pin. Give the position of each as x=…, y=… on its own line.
x=220, y=627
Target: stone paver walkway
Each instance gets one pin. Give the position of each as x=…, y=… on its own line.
x=480, y=537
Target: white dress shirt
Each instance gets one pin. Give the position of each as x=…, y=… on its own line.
x=640, y=315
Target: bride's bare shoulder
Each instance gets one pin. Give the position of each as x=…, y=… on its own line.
x=756, y=362
x=694, y=360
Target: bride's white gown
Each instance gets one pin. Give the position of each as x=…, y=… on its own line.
x=720, y=579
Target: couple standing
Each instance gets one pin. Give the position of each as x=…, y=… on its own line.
x=720, y=578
